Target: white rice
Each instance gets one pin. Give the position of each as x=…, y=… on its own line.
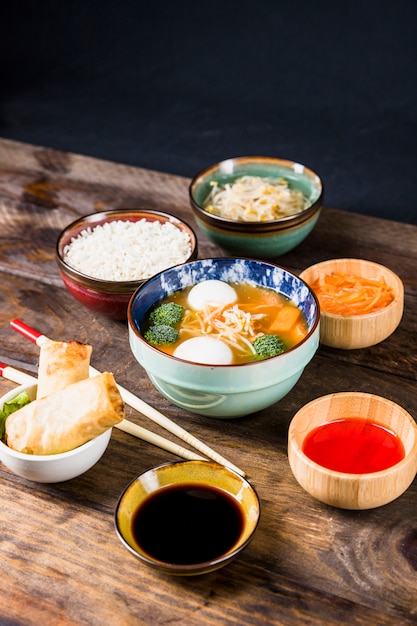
x=125, y=250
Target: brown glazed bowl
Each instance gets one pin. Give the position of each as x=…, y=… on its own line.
x=111, y=297
x=198, y=482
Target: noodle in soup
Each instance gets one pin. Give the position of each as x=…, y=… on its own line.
x=237, y=321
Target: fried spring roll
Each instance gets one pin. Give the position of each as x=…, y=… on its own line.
x=61, y=363
x=67, y=418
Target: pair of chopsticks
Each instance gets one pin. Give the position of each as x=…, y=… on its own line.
x=129, y=398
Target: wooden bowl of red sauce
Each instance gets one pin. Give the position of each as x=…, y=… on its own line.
x=353, y=450
x=361, y=302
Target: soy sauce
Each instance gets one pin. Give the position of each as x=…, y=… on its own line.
x=187, y=524
x=354, y=445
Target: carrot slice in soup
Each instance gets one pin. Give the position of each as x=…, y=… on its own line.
x=285, y=319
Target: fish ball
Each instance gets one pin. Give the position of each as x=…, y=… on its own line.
x=211, y=292
x=206, y=350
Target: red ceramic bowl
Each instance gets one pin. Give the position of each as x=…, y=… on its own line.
x=110, y=297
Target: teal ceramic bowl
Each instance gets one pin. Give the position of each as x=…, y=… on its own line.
x=259, y=239
x=223, y=391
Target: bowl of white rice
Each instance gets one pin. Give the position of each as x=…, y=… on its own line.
x=105, y=256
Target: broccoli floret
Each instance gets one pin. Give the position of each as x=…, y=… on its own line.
x=167, y=314
x=268, y=345
x=160, y=334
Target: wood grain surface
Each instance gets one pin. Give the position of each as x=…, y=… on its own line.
x=61, y=562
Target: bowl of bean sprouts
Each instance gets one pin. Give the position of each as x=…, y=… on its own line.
x=257, y=206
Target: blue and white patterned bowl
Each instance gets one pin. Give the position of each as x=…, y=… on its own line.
x=223, y=391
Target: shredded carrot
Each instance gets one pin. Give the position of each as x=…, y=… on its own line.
x=346, y=294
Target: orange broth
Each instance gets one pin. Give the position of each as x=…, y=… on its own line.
x=257, y=311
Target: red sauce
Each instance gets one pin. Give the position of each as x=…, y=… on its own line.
x=353, y=445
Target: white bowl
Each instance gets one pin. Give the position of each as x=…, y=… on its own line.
x=52, y=468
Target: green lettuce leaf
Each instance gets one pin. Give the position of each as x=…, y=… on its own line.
x=11, y=406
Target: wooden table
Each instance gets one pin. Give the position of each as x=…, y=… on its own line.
x=61, y=562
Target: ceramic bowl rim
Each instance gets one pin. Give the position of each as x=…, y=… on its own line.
x=276, y=225
x=126, y=287
x=175, y=359
x=194, y=567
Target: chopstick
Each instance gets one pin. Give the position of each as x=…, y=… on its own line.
x=16, y=376
x=138, y=404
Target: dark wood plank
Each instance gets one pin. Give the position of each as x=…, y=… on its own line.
x=61, y=561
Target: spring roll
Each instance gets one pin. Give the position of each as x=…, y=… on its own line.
x=61, y=363
x=67, y=418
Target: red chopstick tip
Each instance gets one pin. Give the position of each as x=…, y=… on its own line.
x=25, y=330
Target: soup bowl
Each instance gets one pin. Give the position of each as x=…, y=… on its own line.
x=162, y=240
x=347, y=489
x=51, y=468
x=260, y=239
x=168, y=517
x=223, y=391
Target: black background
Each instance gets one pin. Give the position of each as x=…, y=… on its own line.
x=176, y=86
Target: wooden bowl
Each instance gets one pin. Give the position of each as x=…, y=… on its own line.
x=346, y=490
x=358, y=331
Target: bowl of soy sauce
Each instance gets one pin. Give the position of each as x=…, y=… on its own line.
x=188, y=517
